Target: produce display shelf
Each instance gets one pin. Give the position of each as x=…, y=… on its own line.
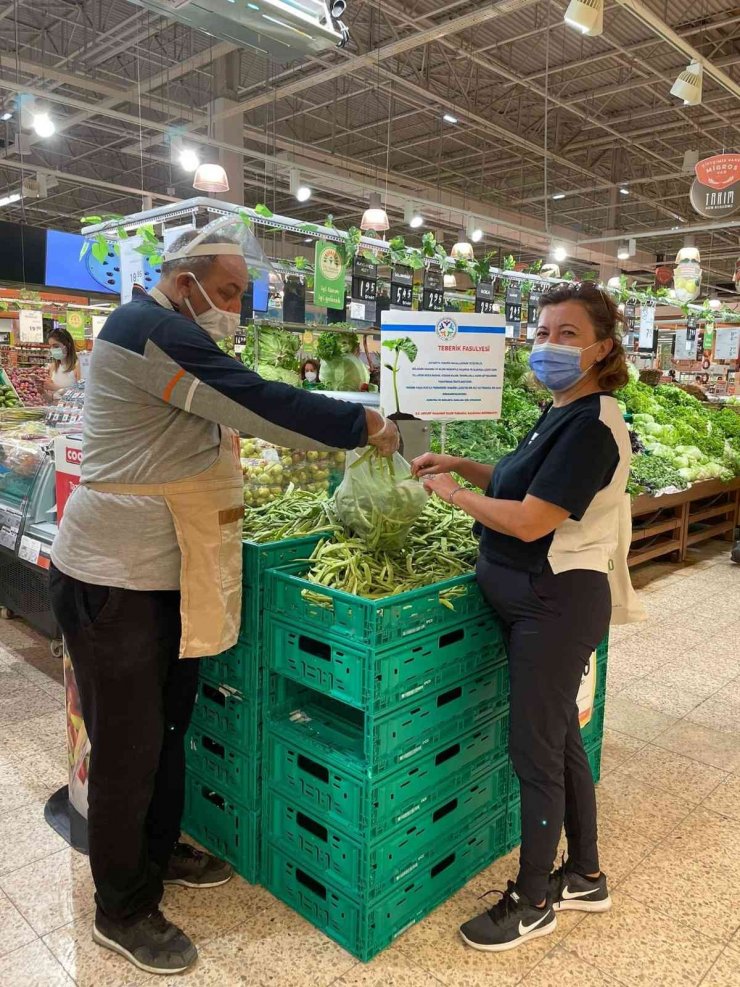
x=376, y=681
x=658, y=528
x=365, y=928
x=325, y=780
x=685, y=508
x=370, y=868
x=371, y=623
x=398, y=736
x=228, y=770
x=223, y=826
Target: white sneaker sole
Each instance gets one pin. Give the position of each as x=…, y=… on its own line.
x=579, y=905
x=116, y=947
x=184, y=883
x=544, y=930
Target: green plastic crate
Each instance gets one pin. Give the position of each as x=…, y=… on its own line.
x=227, y=769
x=223, y=714
x=593, y=732
x=602, y=653
x=369, y=869
x=223, y=826
x=365, y=928
x=256, y=559
x=398, y=736
x=239, y=669
x=324, y=780
x=370, y=623
x=377, y=681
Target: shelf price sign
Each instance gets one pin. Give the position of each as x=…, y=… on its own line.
x=364, y=290
x=513, y=310
x=484, y=302
x=648, y=340
x=433, y=296
x=31, y=327
x=240, y=341
x=402, y=287
x=533, y=313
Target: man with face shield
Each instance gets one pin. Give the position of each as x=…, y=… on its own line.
x=147, y=564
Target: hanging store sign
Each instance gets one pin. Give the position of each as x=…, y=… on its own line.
x=433, y=295
x=484, y=302
x=715, y=192
x=364, y=290
x=30, y=327
x=132, y=267
x=630, y=315
x=648, y=338
x=666, y=341
x=402, y=287
x=329, y=276
x=514, y=305
x=727, y=346
x=76, y=325
x=447, y=368
x=663, y=276
x=98, y=321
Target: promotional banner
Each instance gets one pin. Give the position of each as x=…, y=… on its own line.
x=76, y=324
x=442, y=367
x=329, y=276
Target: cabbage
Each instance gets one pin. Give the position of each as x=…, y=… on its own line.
x=344, y=373
x=268, y=372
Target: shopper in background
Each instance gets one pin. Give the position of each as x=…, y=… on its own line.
x=310, y=375
x=147, y=566
x=64, y=369
x=549, y=525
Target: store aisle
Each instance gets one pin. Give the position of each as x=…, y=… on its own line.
x=670, y=823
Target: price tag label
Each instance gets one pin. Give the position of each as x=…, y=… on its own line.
x=533, y=313
x=357, y=311
x=514, y=303
x=31, y=327
x=433, y=300
x=364, y=280
x=240, y=341
x=402, y=287
x=10, y=526
x=29, y=550
x=484, y=302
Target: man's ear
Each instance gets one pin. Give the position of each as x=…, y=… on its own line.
x=183, y=284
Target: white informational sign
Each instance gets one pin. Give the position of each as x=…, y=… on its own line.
x=30, y=327
x=685, y=348
x=29, y=549
x=98, y=321
x=132, y=267
x=727, y=344
x=647, y=327
x=171, y=233
x=83, y=360
x=439, y=366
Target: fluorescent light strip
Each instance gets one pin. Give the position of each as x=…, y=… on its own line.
x=8, y=200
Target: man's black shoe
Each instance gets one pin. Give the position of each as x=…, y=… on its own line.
x=152, y=944
x=509, y=923
x=193, y=868
x=573, y=892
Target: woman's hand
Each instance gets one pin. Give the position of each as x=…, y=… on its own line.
x=443, y=485
x=432, y=464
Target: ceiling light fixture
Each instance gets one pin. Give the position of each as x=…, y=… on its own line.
x=7, y=115
x=586, y=16
x=623, y=250
x=462, y=250
x=189, y=159
x=476, y=234
x=449, y=118
x=42, y=124
x=8, y=200
x=715, y=303
x=559, y=195
x=299, y=189
x=450, y=281
x=211, y=178
x=412, y=217
x=688, y=85
x=375, y=217
x=624, y=191
x=560, y=253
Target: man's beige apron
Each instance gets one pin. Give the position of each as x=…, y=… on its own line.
x=207, y=512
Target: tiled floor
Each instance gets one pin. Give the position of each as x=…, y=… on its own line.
x=670, y=835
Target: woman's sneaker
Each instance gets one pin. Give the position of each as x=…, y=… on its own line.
x=509, y=923
x=573, y=892
x=152, y=944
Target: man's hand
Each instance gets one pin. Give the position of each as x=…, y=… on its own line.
x=432, y=463
x=443, y=485
x=386, y=439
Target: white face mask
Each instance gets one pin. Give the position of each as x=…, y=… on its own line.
x=216, y=322
x=311, y=376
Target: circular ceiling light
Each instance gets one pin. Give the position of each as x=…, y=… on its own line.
x=559, y=253
x=189, y=159
x=42, y=124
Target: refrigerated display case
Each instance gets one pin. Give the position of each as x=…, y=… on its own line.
x=27, y=527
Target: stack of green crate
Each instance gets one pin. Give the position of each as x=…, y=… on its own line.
x=593, y=736
x=385, y=770
x=223, y=800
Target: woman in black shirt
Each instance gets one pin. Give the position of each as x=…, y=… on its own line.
x=548, y=525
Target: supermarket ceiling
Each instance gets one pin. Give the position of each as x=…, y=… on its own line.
x=551, y=125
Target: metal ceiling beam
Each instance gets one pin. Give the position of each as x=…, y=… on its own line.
x=85, y=180
x=659, y=27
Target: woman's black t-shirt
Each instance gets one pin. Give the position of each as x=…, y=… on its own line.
x=567, y=457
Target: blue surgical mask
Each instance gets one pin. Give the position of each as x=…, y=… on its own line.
x=556, y=366
x=57, y=353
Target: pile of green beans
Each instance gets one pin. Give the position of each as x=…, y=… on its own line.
x=296, y=514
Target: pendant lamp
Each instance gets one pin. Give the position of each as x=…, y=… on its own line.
x=462, y=250
x=211, y=178
x=375, y=217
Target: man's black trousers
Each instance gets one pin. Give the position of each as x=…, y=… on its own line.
x=137, y=698
x=553, y=623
